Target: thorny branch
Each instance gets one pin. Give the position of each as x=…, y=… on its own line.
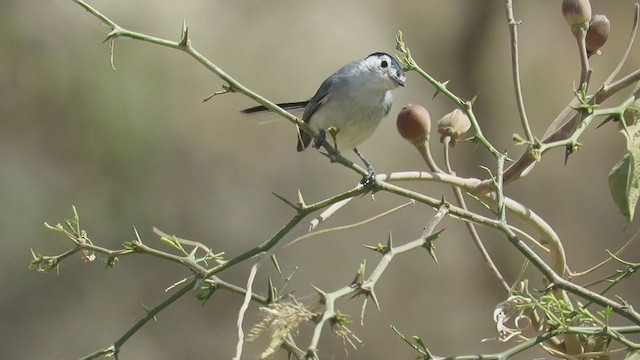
x=561, y=132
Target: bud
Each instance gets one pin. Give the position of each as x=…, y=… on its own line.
x=597, y=34
x=576, y=11
x=454, y=124
x=414, y=123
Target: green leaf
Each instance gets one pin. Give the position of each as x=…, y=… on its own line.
x=624, y=179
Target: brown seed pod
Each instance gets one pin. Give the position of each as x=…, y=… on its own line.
x=414, y=123
x=576, y=11
x=454, y=124
x=598, y=33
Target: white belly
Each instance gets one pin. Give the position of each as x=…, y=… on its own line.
x=356, y=120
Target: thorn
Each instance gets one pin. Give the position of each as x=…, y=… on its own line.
x=147, y=310
x=444, y=85
x=328, y=156
x=429, y=244
x=473, y=100
x=323, y=295
x=284, y=200
x=300, y=199
x=184, y=28
x=444, y=202
x=431, y=250
x=569, y=150
x=374, y=298
x=606, y=120
x=112, y=35
x=276, y=264
x=185, y=41
x=272, y=292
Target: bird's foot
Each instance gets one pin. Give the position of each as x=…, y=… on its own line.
x=368, y=179
x=320, y=139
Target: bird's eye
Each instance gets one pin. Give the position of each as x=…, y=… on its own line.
x=384, y=64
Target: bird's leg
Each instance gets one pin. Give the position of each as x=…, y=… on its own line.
x=371, y=174
x=319, y=140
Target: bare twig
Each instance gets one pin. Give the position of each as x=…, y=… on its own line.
x=515, y=66
x=366, y=287
x=627, y=50
x=349, y=226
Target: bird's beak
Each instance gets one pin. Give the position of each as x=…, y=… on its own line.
x=399, y=80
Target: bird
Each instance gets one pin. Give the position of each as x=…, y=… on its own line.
x=352, y=101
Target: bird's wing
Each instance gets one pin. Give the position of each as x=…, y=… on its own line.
x=319, y=99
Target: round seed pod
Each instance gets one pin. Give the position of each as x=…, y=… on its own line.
x=454, y=125
x=414, y=123
x=576, y=11
x=598, y=33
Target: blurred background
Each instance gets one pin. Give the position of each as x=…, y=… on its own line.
x=138, y=147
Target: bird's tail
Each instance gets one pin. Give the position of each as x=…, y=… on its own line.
x=286, y=106
x=303, y=140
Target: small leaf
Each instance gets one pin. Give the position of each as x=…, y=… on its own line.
x=57, y=227
x=624, y=179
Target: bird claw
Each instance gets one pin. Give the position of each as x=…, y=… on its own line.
x=320, y=139
x=368, y=179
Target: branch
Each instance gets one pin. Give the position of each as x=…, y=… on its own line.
x=366, y=287
x=441, y=87
x=114, y=349
x=515, y=66
x=563, y=126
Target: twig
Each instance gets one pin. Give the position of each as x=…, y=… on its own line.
x=617, y=253
x=545, y=231
x=562, y=126
x=627, y=50
x=466, y=106
x=515, y=67
x=114, y=349
x=475, y=237
x=366, y=287
x=244, y=307
x=188, y=242
x=581, y=35
x=350, y=226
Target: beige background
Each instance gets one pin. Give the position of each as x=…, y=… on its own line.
x=138, y=147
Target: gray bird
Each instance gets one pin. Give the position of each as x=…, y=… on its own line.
x=352, y=100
